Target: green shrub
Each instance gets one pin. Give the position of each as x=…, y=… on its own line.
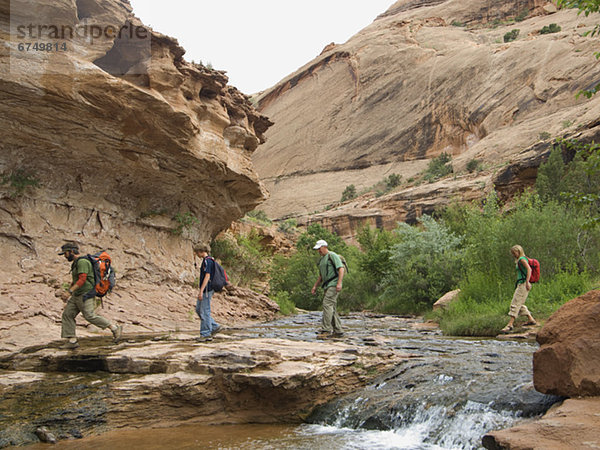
x=438, y=167
x=258, y=216
x=423, y=266
x=286, y=306
x=349, y=193
x=288, y=226
x=511, y=35
x=243, y=256
x=544, y=135
x=552, y=28
x=473, y=165
x=393, y=181
x=184, y=221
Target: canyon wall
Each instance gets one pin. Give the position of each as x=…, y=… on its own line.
x=425, y=78
x=113, y=140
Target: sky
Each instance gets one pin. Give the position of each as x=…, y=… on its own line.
x=258, y=42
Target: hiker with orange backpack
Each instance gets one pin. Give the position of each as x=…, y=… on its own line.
x=79, y=299
x=527, y=272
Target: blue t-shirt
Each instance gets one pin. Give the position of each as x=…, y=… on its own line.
x=207, y=266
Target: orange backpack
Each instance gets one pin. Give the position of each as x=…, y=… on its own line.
x=104, y=274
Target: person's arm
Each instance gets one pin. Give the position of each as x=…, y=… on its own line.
x=203, y=284
x=341, y=271
x=314, y=289
x=81, y=278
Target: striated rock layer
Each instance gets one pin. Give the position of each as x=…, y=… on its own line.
x=117, y=144
x=173, y=380
x=427, y=77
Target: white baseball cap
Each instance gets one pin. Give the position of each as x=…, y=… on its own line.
x=320, y=243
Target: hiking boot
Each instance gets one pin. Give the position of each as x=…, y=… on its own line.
x=69, y=345
x=117, y=333
x=337, y=334
x=218, y=330
x=204, y=339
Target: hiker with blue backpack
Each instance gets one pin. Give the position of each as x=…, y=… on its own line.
x=209, y=269
x=331, y=274
x=81, y=297
x=527, y=273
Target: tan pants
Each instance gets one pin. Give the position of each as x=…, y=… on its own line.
x=331, y=321
x=517, y=306
x=76, y=305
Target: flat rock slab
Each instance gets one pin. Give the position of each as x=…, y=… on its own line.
x=146, y=381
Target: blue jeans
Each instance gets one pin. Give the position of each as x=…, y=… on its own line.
x=207, y=325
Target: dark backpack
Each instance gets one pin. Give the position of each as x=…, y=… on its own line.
x=535, y=270
x=219, y=279
x=330, y=261
x=104, y=275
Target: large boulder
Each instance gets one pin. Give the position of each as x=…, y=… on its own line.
x=568, y=361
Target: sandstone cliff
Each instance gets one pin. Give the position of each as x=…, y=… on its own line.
x=427, y=77
x=112, y=140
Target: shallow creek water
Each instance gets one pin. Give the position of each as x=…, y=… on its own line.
x=448, y=396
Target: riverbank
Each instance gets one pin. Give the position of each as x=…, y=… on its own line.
x=245, y=375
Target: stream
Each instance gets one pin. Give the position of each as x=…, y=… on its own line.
x=451, y=393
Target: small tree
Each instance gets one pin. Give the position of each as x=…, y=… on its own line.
x=511, y=35
x=349, y=193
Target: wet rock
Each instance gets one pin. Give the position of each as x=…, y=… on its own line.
x=572, y=424
x=45, y=436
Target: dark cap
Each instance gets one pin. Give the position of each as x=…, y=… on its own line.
x=69, y=246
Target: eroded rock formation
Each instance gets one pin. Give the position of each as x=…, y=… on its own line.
x=119, y=144
x=427, y=77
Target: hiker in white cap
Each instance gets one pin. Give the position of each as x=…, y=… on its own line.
x=331, y=274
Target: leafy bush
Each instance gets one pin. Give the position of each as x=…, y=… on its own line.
x=552, y=28
x=287, y=226
x=544, y=135
x=438, y=167
x=259, y=217
x=393, y=181
x=286, y=306
x=184, y=221
x=349, y=193
x=424, y=265
x=473, y=165
x=511, y=35
x=243, y=256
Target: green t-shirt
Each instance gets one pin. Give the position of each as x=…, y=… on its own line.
x=327, y=270
x=521, y=271
x=82, y=265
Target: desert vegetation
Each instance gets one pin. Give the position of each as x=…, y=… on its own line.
x=465, y=246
